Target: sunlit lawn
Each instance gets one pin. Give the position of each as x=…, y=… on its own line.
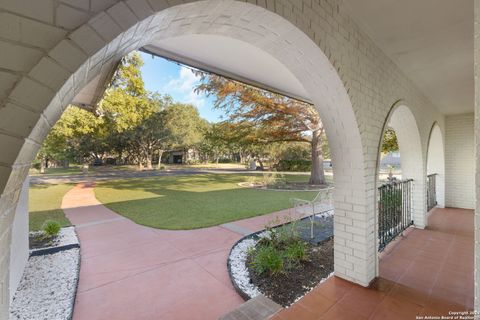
x=192, y=201
x=44, y=204
x=56, y=171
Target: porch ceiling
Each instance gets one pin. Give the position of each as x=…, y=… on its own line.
x=231, y=58
x=430, y=40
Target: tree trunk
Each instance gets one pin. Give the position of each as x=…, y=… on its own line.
x=159, y=165
x=317, y=175
x=148, y=159
x=262, y=167
x=43, y=164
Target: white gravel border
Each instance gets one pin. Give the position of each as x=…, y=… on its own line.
x=238, y=267
x=48, y=286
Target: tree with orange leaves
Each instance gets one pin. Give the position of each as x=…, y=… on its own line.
x=278, y=118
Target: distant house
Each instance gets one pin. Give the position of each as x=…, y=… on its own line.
x=180, y=156
x=390, y=159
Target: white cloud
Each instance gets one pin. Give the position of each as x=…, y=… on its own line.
x=183, y=88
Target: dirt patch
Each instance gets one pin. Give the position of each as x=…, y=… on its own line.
x=39, y=240
x=287, y=287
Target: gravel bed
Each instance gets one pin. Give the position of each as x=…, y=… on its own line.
x=48, y=286
x=238, y=268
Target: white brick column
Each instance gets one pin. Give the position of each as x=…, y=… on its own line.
x=459, y=161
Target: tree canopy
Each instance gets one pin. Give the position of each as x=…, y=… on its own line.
x=273, y=117
x=390, y=142
x=132, y=125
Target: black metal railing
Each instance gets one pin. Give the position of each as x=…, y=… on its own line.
x=431, y=191
x=395, y=210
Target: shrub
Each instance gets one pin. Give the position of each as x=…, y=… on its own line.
x=294, y=165
x=295, y=252
x=268, y=259
x=281, y=249
x=51, y=228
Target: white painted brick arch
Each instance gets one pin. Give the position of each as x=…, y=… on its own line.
x=436, y=162
x=50, y=49
x=403, y=122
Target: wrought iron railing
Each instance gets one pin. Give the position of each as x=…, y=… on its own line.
x=431, y=191
x=395, y=210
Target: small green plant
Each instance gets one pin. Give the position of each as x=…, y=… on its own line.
x=268, y=259
x=51, y=228
x=251, y=180
x=279, y=250
x=269, y=178
x=295, y=252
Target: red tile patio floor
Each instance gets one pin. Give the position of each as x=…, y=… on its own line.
x=130, y=271
x=426, y=272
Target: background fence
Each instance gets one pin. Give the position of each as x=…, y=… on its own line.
x=395, y=209
x=431, y=191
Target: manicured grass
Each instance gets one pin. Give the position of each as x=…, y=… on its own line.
x=191, y=201
x=44, y=204
x=57, y=171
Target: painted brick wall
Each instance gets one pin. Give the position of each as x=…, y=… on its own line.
x=477, y=154
x=459, y=161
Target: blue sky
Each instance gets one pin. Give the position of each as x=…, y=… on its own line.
x=167, y=77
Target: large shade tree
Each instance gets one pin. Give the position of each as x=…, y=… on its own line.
x=389, y=142
x=276, y=118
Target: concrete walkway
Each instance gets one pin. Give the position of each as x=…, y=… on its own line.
x=130, y=271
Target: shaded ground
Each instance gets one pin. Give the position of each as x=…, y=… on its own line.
x=59, y=176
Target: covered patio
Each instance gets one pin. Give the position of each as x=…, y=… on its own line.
x=365, y=65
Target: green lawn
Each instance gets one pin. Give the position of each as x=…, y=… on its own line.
x=44, y=204
x=56, y=171
x=191, y=201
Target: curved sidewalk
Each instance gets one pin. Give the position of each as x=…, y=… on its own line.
x=129, y=271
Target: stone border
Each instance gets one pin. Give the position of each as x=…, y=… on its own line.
x=50, y=250
x=74, y=298
x=237, y=288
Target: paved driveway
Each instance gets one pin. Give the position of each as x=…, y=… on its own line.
x=129, y=271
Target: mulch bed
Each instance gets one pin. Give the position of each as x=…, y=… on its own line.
x=287, y=287
x=37, y=241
